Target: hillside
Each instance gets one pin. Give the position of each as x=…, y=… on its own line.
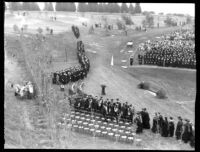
x=21, y=118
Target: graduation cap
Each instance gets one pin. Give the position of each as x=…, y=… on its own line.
x=179, y=117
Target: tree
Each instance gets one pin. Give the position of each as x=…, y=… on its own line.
x=48, y=6
x=100, y=7
x=138, y=8
x=131, y=9
x=116, y=8
x=169, y=21
x=188, y=19
x=124, y=8
x=150, y=20
x=30, y=6
x=161, y=13
x=145, y=13
x=82, y=7
x=72, y=7
x=63, y=7
x=15, y=6
x=127, y=19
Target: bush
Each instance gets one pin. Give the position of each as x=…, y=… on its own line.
x=25, y=27
x=47, y=29
x=15, y=28
x=119, y=25
x=127, y=19
x=144, y=85
x=161, y=94
x=40, y=30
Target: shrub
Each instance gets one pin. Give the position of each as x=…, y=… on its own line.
x=40, y=30
x=15, y=28
x=119, y=25
x=127, y=19
x=25, y=27
x=161, y=94
x=47, y=29
x=144, y=85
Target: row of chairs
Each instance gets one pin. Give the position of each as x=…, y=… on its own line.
x=97, y=127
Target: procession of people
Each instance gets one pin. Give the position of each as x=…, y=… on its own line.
x=166, y=128
x=76, y=73
x=176, y=50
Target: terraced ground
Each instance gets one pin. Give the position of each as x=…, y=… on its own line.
x=30, y=125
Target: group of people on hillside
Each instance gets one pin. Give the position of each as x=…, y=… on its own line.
x=183, y=130
x=172, y=53
x=115, y=110
x=108, y=108
x=76, y=32
x=76, y=73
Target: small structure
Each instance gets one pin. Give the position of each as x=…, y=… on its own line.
x=129, y=44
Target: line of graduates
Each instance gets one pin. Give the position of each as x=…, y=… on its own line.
x=75, y=30
x=76, y=73
x=142, y=121
x=172, y=53
x=108, y=108
x=183, y=131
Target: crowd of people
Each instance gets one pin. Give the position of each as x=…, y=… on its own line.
x=113, y=109
x=183, y=131
x=76, y=73
x=179, y=52
x=182, y=34
x=108, y=108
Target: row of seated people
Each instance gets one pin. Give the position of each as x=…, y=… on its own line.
x=76, y=73
x=107, y=108
x=175, y=53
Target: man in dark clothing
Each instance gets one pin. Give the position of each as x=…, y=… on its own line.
x=154, y=128
x=103, y=90
x=145, y=119
x=160, y=123
x=165, y=131
x=179, y=128
x=138, y=121
x=186, y=132
x=171, y=127
x=192, y=138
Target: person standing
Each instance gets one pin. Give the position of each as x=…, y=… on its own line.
x=179, y=128
x=154, y=128
x=160, y=123
x=171, y=127
x=165, y=128
x=103, y=90
x=138, y=121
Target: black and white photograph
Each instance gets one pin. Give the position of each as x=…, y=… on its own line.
x=97, y=75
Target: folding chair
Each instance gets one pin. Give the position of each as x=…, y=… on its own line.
x=123, y=138
x=110, y=135
x=130, y=139
x=104, y=133
x=117, y=137
x=98, y=133
x=138, y=142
